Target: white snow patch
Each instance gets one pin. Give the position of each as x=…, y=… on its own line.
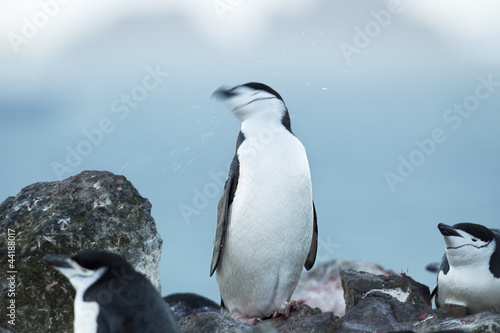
x=397, y=293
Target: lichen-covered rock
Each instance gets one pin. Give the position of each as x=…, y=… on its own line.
x=321, y=286
x=213, y=322
x=92, y=210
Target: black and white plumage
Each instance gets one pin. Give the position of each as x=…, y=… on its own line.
x=470, y=270
x=111, y=296
x=266, y=220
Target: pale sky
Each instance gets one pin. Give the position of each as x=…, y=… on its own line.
x=223, y=23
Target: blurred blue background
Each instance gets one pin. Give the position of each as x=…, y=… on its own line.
x=397, y=104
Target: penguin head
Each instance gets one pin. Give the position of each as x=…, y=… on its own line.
x=86, y=267
x=467, y=243
x=250, y=99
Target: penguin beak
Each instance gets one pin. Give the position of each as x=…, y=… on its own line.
x=57, y=261
x=223, y=93
x=446, y=230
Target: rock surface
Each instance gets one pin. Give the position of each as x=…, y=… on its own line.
x=202, y=322
x=92, y=210
x=452, y=318
x=321, y=286
x=375, y=303
x=359, y=285
x=301, y=319
x=382, y=303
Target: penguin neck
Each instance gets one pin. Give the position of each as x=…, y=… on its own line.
x=463, y=259
x=83, y=282
x=264, y=123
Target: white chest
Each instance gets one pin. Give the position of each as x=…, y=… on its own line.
x=85, y=315
x=274, y=193
x=270, y=227
x=85, y=312
x=475, y=288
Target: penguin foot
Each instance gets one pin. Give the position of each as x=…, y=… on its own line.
x=241, y=317
x=285, y=311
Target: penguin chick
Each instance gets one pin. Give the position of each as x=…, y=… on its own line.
x=111, y=296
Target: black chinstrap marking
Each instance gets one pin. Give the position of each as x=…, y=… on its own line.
x=458, y=247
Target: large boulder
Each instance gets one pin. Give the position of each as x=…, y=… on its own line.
x=359, y=285
x=382, y=303
x=92, y=210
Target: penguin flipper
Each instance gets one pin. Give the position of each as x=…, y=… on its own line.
x=433, y=267
x=434, y=296
x=223, y=208
x=495, y=257
x=445, y=265
x=434, y=292
x=311, y=257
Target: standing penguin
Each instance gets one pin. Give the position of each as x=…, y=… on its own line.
x=111, y=296
x=470, y=269
x=266, y=220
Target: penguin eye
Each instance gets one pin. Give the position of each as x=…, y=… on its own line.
x=474, y=240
